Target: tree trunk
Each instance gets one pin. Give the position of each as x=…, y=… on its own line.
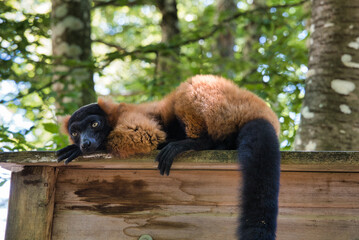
x=251, y=39
x=226, y=38
x=330, y=118
x=168, y=60
x=71, y=42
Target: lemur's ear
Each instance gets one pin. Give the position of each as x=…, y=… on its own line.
x=111, y=109
x=64, y=123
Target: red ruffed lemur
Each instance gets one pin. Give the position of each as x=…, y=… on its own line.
x=204, y=112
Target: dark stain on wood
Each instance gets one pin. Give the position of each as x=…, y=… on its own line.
x=106, y=209
x=27, y=170
x=352, y=182
x=117, y=190
x=32, y=182
x=154, y=224
x=115, y=197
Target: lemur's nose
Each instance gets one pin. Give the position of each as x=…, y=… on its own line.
x=85, y=144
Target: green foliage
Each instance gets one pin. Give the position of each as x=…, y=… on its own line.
x=26, y=77
x=127, y=43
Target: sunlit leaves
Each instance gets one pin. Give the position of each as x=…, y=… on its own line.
x=25, y=73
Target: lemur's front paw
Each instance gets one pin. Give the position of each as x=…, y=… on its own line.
x=69, y=153
x=166, y=156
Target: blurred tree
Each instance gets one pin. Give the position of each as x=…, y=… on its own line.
x=168, y=60
x=253, y=34
x=71, y=48
x=226, y=37
x=330, y=112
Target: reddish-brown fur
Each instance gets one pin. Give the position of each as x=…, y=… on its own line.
x=204, y=103
x=65, y=123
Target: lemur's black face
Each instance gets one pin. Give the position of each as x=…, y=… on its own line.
x=88, y=128
x=90, y=133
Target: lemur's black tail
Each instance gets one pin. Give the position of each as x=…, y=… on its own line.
x=259, y=158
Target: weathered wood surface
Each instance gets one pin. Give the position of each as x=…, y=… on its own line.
x=103, y=197
x=291, y=161
x=198, y=204
x=31, y=203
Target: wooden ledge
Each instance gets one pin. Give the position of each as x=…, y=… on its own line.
x=222, y=160
x=103, y=197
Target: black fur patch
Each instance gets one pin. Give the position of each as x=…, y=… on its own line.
x=83, y=112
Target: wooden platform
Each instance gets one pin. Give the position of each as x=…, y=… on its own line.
x=102, y=197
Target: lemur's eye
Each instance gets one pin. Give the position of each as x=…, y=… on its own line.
x=94, y=124
x=74, y=134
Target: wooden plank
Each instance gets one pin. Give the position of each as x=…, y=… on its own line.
x=291, y=161
x=202, y=223
x=146, y=187
x=123, y=204
x=298, y=189
x=31, y=204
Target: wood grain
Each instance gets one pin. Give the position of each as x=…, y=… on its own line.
x=346, y=161
x=31, y=204
x=193, y=204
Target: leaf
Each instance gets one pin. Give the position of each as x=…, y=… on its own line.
x=51, y=127
x=2, y=181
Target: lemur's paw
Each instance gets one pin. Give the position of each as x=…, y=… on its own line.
x=166, y=156
x=69, y=153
